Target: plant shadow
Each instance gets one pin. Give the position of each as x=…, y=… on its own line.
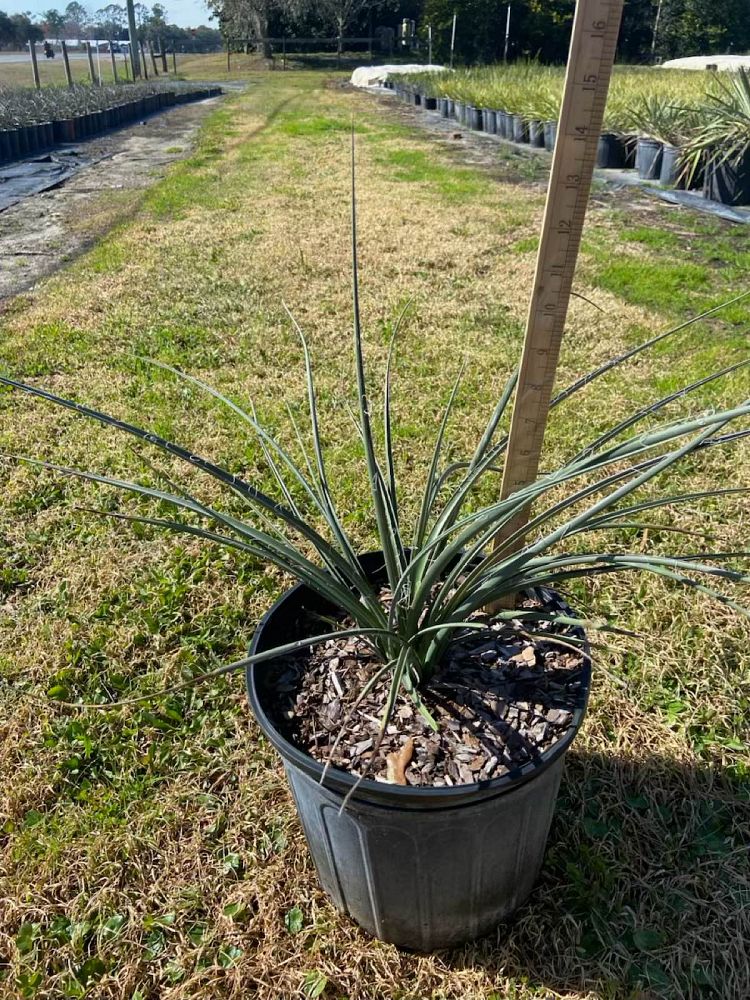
x=645, y=888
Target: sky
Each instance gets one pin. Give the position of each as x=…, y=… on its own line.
x=185, y=13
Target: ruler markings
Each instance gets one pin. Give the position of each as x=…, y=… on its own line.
x=592, y=49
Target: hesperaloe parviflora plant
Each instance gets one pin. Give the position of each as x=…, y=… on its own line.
x=441, y=565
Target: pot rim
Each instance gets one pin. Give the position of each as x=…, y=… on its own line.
x=403, y=796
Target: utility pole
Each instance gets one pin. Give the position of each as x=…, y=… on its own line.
x=429, y=43
x=133, y=36
x=507, y=36
x=453, y=36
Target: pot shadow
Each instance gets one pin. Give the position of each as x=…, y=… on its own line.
x=644, y=891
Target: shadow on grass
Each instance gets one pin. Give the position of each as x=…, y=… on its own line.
x=645, y=889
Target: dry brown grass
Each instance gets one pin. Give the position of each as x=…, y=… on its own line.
x=165, y=821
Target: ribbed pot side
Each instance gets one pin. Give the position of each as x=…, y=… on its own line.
x=422, y=868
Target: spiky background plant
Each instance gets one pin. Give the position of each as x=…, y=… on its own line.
x=656, y=116
x=441, y=566
x=28, y=106
x=722, y=134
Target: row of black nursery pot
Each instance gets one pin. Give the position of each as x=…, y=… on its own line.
x=726, y=182
x=655, y=161
x=28, y=140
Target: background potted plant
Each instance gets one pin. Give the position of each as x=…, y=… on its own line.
x=403, y=660
x=720, y=144
x=663, y=127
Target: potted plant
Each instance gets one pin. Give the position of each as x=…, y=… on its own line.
x=423, y=696
x=663, y=127
x=720, y=145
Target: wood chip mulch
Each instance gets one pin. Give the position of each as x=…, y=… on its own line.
x=500, y=700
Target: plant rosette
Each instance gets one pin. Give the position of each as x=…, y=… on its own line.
x=416, y=705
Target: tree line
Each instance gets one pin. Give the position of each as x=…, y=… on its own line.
x=110, y=22
x=539, y=29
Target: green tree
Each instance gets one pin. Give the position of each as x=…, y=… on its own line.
x=703, y=27
x=76, y=20
x=25, y=31
x=243, y=21
x=111, y=21
x=7, y=31
x=53, y=22
x=341, y=14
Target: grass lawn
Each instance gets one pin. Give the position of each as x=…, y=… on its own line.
x=153, y=852
x=52, y=71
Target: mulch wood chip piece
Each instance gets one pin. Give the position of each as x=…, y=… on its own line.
x=500, y=699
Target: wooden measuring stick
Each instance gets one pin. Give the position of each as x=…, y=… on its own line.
x=592, y=52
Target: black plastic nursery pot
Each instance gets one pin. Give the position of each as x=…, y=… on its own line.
x=489, y=120
x=460, y=111
x=422, y=868
x=430, y=103
x=29, y=139
x=648, y=159
x=610, y=153
x=13, y=142
x=669, y=171
x=23, y=145
x=474, y=117
x=444, y=107
x=729, y=182
x=505, y=127
x=520, y=129
x=550, y=135
x=536, y=134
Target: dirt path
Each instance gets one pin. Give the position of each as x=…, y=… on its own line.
x=44, y=231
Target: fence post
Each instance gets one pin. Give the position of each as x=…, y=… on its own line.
x=34, y=65
x=114, y=64
x=92, y=74
x=153, y=57
x=126, y=65
x=66, y=62
x=283, y=49
x=174, y=61
x=144, y=67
